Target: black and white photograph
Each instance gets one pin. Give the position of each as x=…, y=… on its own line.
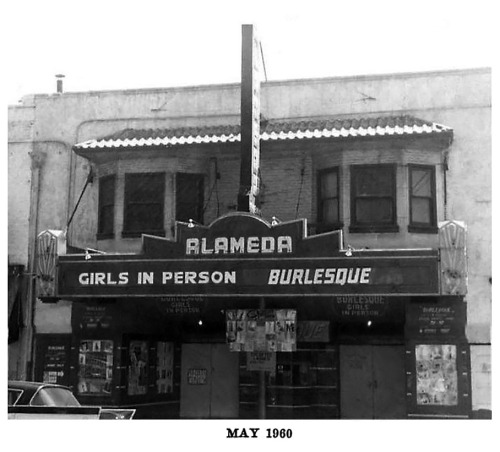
x=255, y=225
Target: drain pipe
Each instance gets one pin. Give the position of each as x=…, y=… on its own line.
x=27, y=356
x=445, y=187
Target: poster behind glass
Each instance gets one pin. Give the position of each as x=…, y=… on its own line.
x=437, y=379
x=164, y=367
x=95, y=370
x=138, y=368
x=54, y=364
x=261, y=330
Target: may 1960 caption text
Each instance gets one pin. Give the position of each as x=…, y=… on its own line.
x=254, y=433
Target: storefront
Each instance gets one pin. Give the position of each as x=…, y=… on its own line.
x=246, y=319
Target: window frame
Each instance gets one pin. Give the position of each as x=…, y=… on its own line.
x=355, y=225
x=146, y=229
x=321, y=226
x=17, y=392
x=414, y=226
x=110, y=232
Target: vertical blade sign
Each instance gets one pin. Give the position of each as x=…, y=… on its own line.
x=251, y=74
x=453, y=254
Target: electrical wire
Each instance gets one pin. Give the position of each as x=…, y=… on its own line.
x=302, y=173
x=90, y=179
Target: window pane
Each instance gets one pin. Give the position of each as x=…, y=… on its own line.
x=189, y=189
x=329, y=185
x=373, y=181
x=106, y=219
x=374, y=210
x=13, y=396
x=189, y=211
x=55, y=397
x=141, y=217
x=421, y=210
x=330, y=211
x=189, y=196
x=107, y=191
x=106, y=204
x=144, y=199
x=421, y=182
x=144, y=187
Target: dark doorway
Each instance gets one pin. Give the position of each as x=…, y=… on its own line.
x=209, y=382
x=372, y=382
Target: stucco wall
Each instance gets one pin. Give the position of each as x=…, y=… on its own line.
x=480, y=356
x=53, y=318
x=20, y=130
x=469, y=200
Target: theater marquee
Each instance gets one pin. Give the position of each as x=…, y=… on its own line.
x=242, y=255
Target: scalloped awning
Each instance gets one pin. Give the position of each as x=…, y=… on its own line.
x=270, y=131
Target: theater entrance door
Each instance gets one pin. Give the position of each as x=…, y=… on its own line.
x=209, y=382
x=372, y=382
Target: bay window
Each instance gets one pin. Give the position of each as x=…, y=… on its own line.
x=373, y=198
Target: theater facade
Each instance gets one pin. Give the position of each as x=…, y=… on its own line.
x=360, y=290
x=246, y=318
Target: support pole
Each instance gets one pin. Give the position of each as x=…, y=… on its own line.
x=262, y=378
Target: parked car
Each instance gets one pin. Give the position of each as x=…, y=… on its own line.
x=35, y=400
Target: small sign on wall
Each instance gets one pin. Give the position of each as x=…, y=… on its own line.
x=447, y=318
x=361, y=307
x=197, y=376
x=265, y=361
x=52, y=362
x=95, y=317
x=181, y=305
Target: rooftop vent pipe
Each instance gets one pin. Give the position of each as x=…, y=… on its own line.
x=59, y=78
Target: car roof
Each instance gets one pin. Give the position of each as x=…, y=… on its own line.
x=29, y=389
x=31, y=385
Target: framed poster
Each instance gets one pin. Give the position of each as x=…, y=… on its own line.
x=437, y=377
x=95, y=367
x=52, y=358
x=261, y=330
x=438, y=382
x=138, y=368
x=165, y=367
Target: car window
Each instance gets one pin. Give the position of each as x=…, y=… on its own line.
x=14, y=395
x=54, y=397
